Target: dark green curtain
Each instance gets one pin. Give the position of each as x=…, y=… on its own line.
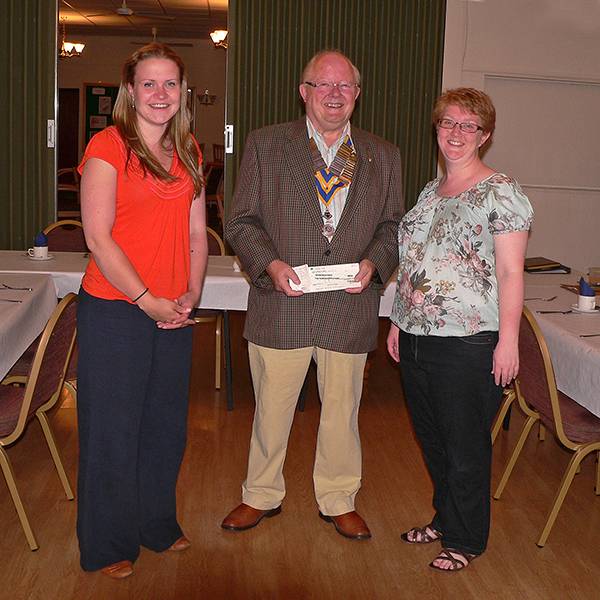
x=396, y=44
x=27, y=100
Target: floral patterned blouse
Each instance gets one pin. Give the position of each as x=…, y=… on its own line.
x=446, y=278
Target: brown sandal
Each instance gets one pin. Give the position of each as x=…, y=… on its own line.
x=421, y=535
x=458, y=560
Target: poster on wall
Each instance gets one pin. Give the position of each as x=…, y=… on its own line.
x=99, y=103
x=105, y=105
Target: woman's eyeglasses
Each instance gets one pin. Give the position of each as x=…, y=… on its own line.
x=464, y=127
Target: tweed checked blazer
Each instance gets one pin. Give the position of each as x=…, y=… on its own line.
x=276, y=215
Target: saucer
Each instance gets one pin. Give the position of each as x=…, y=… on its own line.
x=593, y=311
x=49, y=257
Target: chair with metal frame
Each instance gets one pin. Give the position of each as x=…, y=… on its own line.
x=213, y=182
x=575, y=428
x=221, y=209
x=503, y=416
x=21, y=400
x=216, y=247
x=68, y=188
x=66, y=235
x=218, y=153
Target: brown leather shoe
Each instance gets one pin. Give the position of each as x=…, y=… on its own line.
x=245, y=517
x=181, y=544
x=350, y=525
x=118, y=570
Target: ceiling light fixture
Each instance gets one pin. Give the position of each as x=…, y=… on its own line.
x=219, y=38
x=69, y=49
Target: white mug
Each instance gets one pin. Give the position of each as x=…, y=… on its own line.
x=586, y=302
x=38, y=252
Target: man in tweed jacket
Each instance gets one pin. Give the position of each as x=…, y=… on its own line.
x=281, y=218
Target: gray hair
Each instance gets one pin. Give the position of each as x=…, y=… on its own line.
x=311, y=63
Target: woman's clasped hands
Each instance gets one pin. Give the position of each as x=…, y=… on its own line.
x=169, y=314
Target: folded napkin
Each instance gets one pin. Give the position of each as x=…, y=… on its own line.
x=585, y=289
x=40, y=239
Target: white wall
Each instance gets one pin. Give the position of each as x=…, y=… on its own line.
x=103, y=58
x=540, y=62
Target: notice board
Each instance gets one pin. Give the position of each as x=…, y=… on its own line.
x=99, y=103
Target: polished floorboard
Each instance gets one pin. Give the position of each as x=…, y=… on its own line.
x=295, y=555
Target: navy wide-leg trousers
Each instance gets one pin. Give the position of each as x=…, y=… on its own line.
x=132, y=402
x=452, y=398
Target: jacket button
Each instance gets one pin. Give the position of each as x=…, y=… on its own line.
x=327, y=252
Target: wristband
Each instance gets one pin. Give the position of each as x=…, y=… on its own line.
x=136, y=299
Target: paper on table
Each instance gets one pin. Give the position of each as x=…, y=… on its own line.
x=325, y=278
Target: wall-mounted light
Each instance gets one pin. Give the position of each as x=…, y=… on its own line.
x=219, y=38
x=69, y=49
x=206, y=99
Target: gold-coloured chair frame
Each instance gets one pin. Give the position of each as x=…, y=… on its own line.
x=217, y=319
x=70, y=385
x=508, y=397
x=580, y=451
x=73, y=186
x=61, y=223
x=30, y=383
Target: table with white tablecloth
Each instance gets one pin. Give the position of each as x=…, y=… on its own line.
x=23, y=313
x=66, y=268
x=576, y=359
x=225, y=288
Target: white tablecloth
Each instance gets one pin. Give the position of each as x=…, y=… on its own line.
x=66, y=268
x=576, y=360
x=21, y=323
x=224, y=288
x=227, y=289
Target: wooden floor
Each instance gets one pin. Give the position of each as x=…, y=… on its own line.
x=297, y=556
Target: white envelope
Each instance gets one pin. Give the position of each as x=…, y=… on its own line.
x=325, y=278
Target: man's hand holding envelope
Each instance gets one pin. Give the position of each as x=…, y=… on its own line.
x=327, y=278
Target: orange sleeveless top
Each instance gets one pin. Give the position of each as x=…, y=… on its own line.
x=152, y=221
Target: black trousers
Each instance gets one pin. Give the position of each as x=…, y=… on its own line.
x=132, y=401
x=452, y=399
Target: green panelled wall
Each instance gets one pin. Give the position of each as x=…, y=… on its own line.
x=396, y=44
x=27, y=100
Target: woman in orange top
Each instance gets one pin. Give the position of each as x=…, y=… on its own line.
x=142, y=207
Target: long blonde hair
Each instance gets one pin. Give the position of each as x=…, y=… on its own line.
x=177, y=131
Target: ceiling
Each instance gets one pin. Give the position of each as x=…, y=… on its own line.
x=172, y=18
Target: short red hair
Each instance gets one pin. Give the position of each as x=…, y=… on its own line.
x=470, y=100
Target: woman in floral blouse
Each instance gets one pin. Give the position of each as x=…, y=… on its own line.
x=458, y=303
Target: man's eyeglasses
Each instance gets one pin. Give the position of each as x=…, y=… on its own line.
x=464, y=127
x=327, y=86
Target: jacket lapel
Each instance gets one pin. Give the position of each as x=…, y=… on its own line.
x=299, y=164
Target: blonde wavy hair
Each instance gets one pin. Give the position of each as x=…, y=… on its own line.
x=177, y=132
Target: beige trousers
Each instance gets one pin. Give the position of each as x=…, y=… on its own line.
x=277, y=376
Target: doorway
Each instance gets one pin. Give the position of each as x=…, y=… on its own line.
x=68, y=127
